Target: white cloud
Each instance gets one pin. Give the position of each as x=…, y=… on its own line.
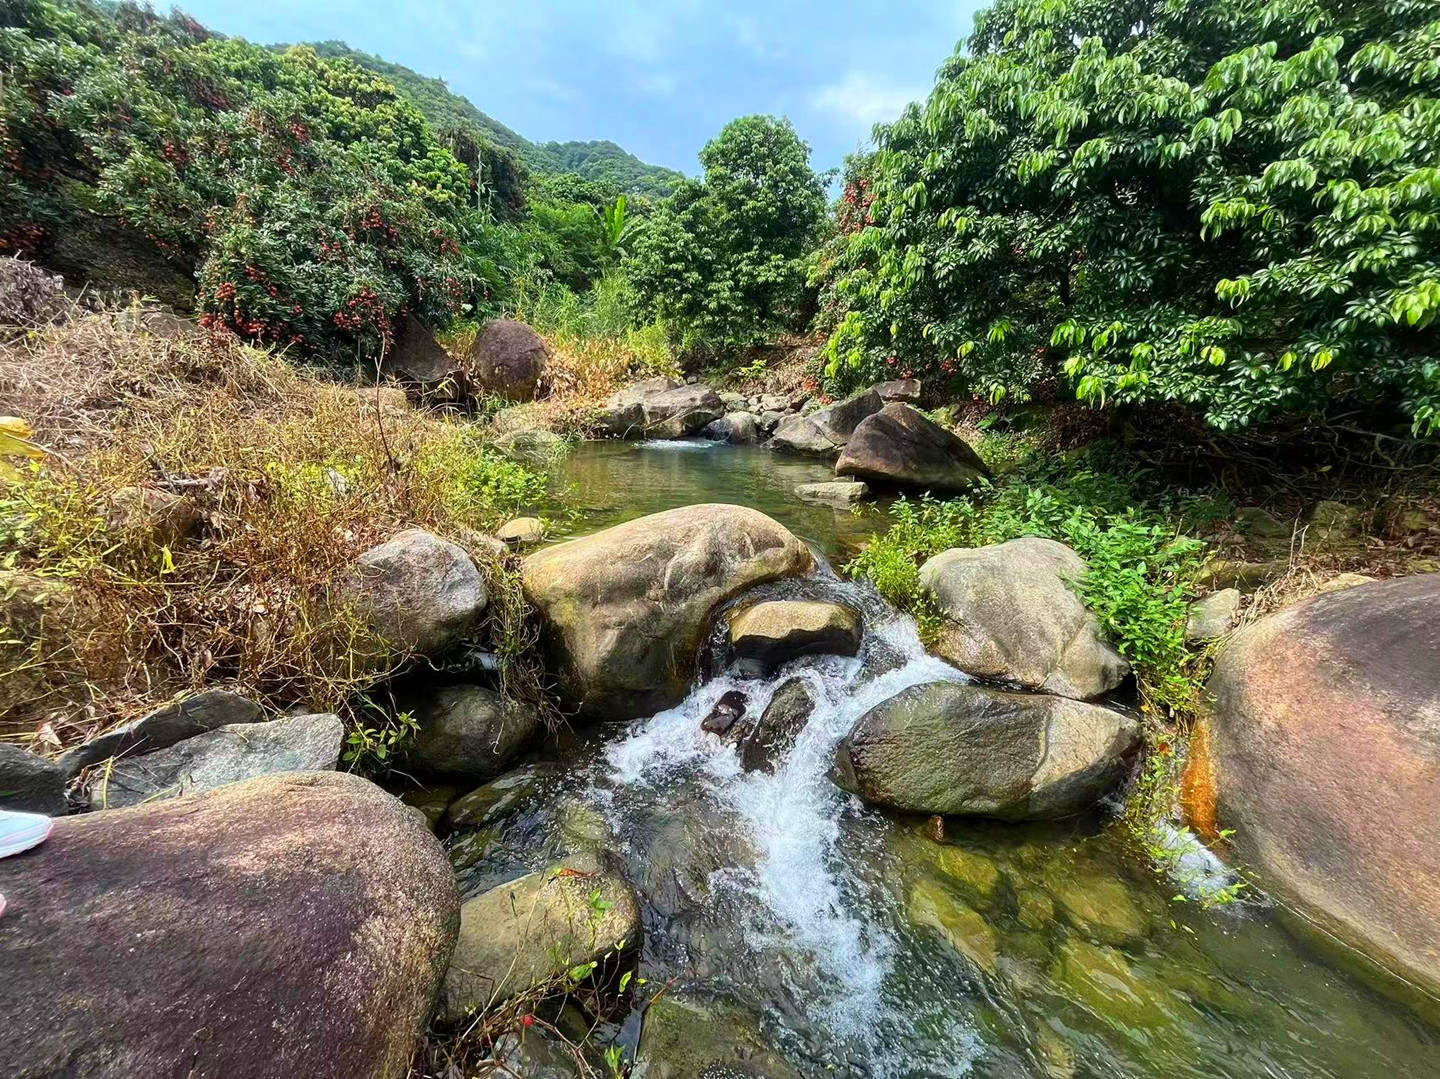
x=864, y=99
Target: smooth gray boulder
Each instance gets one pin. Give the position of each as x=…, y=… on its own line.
x=535, y=929
x=773, y=735
x=771, y=633
x=906, y=390
x=824, y=432
x=164, y=727
x=623, y=611
x=968, y=750
x=1012, y=615
x=297, y=925
x=30, y=783
x=1213, y=616
x=742, y=428
x=899, y=447
x=219, y=758
x=769, y=420
x=834, y=492
x=420, y=594
x=680, y=412
x=468, y=732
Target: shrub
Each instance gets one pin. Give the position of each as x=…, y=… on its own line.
x=1230, y=204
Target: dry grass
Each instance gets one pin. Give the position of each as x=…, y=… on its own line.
x=292, y=475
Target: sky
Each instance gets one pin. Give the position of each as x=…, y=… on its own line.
x=659, y=78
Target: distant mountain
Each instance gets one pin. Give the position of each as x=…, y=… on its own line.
x=598, y=160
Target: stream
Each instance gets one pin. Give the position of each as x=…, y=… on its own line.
x=857, y=945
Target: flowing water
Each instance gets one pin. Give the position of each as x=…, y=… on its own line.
x=858, y=946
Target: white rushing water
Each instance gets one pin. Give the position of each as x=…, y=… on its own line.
x=807, y=902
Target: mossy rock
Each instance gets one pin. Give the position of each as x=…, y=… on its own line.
x=682, y=1039
x=430, y=801
x=977, y=874
x=932, y=904
x=1101, y=906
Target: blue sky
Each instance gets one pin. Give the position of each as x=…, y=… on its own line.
x=660, y=78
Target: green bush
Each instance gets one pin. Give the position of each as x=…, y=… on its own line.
x=1138, y=568
x=1230, y=204
x=312, y=203
x=722, y=261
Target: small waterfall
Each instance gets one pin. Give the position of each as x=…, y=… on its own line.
x=821, y=935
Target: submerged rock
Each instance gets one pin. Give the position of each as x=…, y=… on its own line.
x=30, y=783
x=420, y=594
x=218, y=758
x=954, y=749
x=900, y=447
x=769, y=634
x=931, y=904
x=165, y=726
x=468, y=732
x=1100, y=905
x=624, y=610
x=536, y=929
x=291, y=926
x=490, y=803
x=682, y=1039
x=1011, y=615
x=1327, y=750
x=510, y=360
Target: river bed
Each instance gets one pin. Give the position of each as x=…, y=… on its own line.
x=860, y=947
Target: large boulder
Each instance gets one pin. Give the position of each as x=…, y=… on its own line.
x=900, y=389
x=424, y=368
x=509, y=360
x=825, y=432
x=955, y=749
x=742, y=428
x=178, y=720
x=218, y=758
x=679, y=412
x=420, y=594
x=899, y=447
x=536, y=929
x=1012, y=615
x=468, y=732
x=767, y=634
x=30, y=783
x=295, y=925
x=1325, y=737
x=624, y=610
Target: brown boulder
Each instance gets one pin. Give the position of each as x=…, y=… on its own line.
x=900, y=447
x=293, y=925
x=1325, y=732
x=624, y=610
x=510, y=360
x=422, y=366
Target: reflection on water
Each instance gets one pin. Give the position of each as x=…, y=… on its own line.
x=606, y=483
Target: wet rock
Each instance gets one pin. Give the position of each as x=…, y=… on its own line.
x=165, y=726
x=420, y=594
x=682, y=1039
x=419, y=363
x=935, y=828
x=535, y=929
x=729, y=708
x=30, y=783
x=900, y=447
x=521, y=531
x=1011, y=615
x=1036, y=910
x=905, y=390
x=580, y=829
x=491, y=803
x=824, y=432
x=1213, y=616
x=742, y=428
x=534, y=445
x=1325, y=748
x=1104, y=981
x=834, y=492
x=624, y=610
x=773, y=735
x=468, y=732
x=219, y=758
x=291, y=926
x=955, y=749
x=430, y=802
x=680, y=412
x=931, y=904
x=976, y=874
x=1101, y=906
x=535, y=1055
x=158, y=517
x=510, y=360
x=769, y=634
x=619, y=421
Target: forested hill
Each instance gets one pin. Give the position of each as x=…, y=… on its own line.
x=600, y=160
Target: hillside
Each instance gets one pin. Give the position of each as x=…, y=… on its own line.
x=594, y=160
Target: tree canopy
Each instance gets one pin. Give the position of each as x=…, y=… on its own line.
x=1234, y=204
